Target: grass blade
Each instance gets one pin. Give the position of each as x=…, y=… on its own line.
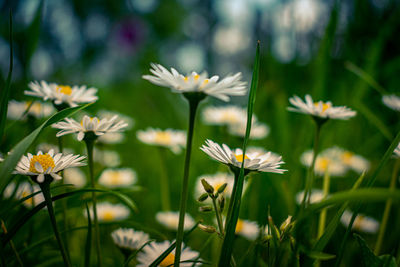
x=88, y=244
x=365, y=77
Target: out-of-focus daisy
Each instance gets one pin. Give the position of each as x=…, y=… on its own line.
x=221, y=89
x=396, y=152
x=107, y=212
x=107, y=158
x=324, y=163
x=392, y=101
x=224, y=115
x=172, y=139
x=320, y=109
x=41, y=165
x=128, y=238
x=216, y=181
x=351, y=160
x=362, y=223
x=316, y=196
x=24, y=189
x=75, y=177
x=170, y=219
x=258, y=130
x=89, y=125
x=111, y=138
x=38, y=110
x=233, y=158
x=151, y=252
x=247, y=229
x=117, y=177
x=60, y=94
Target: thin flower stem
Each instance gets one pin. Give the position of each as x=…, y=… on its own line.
x=322, y=216
x=193, y=104
x=386, y=212
x=219, y=217
x=64, y=201
x=164, y=182
x=45, y=186
x=89, y=147
x=18, y=258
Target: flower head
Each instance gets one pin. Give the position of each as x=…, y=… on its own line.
x=316, y=196
x=252, y=161
x=320, y=109
x=221, y=89
x=48, y=164
x=62, y=94
x=23, y=190
x=258, y=130
x=170, y=219
x=324, y=163
x=107, y=212
x=128, y=238
x=38, y=110
x=392, y=101
x=172, y=139
x=361, y=223
x=108, y=158
x=75, y=176
x=117, y=177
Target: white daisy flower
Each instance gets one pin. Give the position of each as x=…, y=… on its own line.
x=111, y=138
x=109, y=114
x=172, y=139
x=362, y=223
x=320, y=109
x=392, y=101
x=24, y=189
x=107, y=212
x=117, y=177
x=246, y=229
x=151, y=252
x=324, y=162
x=40, y=165
x=252, y=161
x=75, y=176
x=224, y=115
x=216, y=181
x=128, y=238
x=89, y=125
x=316, y=196
x=170, y=219
x=107, y=158
x=258, y=130
x=61, y=94
x=38, y=110
x=229, y=86
x=351, y=160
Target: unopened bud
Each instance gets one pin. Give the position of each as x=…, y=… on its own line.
x=207, y=228
x=221, y=202
x=207, y=187
x=285, y=224
x=203, y=197
x=221, y=189
x=205, y=209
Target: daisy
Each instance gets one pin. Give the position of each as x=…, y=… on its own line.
x=111, y=138
x=221, y=89
x=252, y=161
x=40, y=166
x=224, y=115
x=75, y=177
x=316, y=196
x=392, y=101
x=169, y=138
x=151, y=252
x=89, y=125
x=37, y=110
x=128, y=238
x=351, y=160
x=23, y=190
x=107, y=158
x=246, y=229
x=320, y=109
x=62, y=94
x=362, y=223
x=107, y=212
x=258, y=130
x=117, y=177
x=170, y=219
x=324, y=162
x=216, y=181
x=109, y=114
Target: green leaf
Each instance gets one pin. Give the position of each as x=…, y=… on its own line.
x=368, y=257
x=318, y=255
x=365, y=77
x=11, y=161
x=388, y=261
x=88, y=243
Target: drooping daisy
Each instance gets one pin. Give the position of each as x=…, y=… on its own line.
x=221, y=89
x=224, y=115
x=170, y=219
x=172, y=139
x=252, y=161
x=107, y=158
x=75, y=176
x=107, y=212
x=151, y=252
x=128, y=238
x=362, y=223
x=62, y=94
x=117, y=177
x=40, y=166
x=316, y=196
x=24, y=189
x=320, y=109
x=38, y=110
x=324, y=163
x=258, y=130
x=392, y=101
x=216, y=181
x=89, y=125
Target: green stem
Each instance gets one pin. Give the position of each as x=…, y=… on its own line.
x=89, y=147
x=45, y=186
x=386, y=212
x=219, y=217
x=193, y=104
x=164, y=183
x=322, y=216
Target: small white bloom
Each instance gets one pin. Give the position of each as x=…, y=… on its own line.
x=23, y=190
x=252, y=161
x=117, y=177
x=38, y=110
x=47, y=164
x=128, y=238
x=229, y=86
x=392, y=101
x=60, y=94
x=151, y=252
x=106, y=158
x=246, y=229
x=172, y=139
x=170, y=219
x=258, y=130
x=107, y=212
x=320, y=109
x=75, y=176
x=323, y=163
x=316, y=196
x=224, y=115
x=351, y=160
x=93, y=125
x=361, y=223
x=216, y=181
x=111, y=138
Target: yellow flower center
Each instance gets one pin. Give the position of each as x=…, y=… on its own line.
x=163, y=137
x=347, y=156
x=29, y=201
x=90, y=119
x=358, y=222
x=108, y=216
x=323, y=163
x=186, y=78
x=196, y=77
x=64, y=89
x=217, y=186
x=115, y=177
x=229, y=117
x=239, y=157
x=325, y=106
x=45, y=161
x=239, y=226
x=168, y=261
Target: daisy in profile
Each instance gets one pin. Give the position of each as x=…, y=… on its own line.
x=117, y=177
x=224, y=115
x=107, y=158
x=128, y=238
x=94, y=126
x=169, y=138
x=151, y=252
x=392, y=101
x=62, y=94
x=216, y=181
x=362, y=223
x=316, y=196
x=213, y=86
x=23, y=190
x=170, y=220
x=320, y=109
x=47, y=166
x=107, y=212
x=75, y=176
x=37, y=110
x=353, y=161
x=323, y=163
x=252, y=161
x=258, y=130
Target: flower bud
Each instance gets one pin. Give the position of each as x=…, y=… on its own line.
x=207, y=187
x=203, y=197
x=221, y=189
x=286, y=224
x=205, y=209
x=221, y=202
x=207, y=228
